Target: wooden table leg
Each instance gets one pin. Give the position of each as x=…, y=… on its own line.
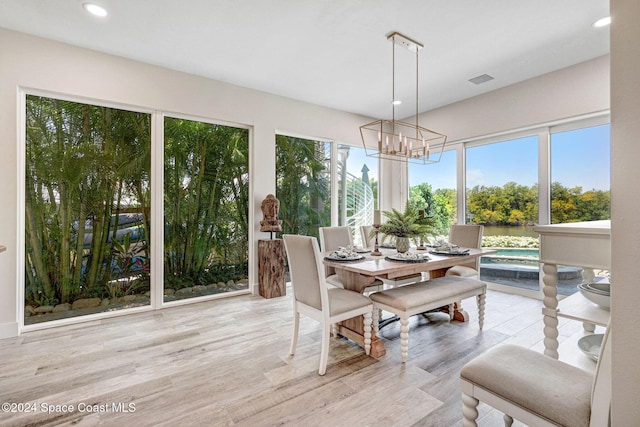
x=353, y=329
x=459, y=313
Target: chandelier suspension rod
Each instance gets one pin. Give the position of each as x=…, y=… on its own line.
x=393, y=85
x=417, y=78
x=415, y=143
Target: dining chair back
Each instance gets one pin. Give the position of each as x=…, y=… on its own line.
x=368, y=241
x=365, y=234
x=332, y=238
x=466, y=236
x=314, y=299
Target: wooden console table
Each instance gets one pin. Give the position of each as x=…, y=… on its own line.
x=583, y=244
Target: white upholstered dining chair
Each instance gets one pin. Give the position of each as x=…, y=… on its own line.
x=332, y=238
x=466, y=236
x=365, y=234
x=314, y=299
x=536, y=389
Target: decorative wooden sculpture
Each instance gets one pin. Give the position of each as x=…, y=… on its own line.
x=271, y=254
x=270, y=209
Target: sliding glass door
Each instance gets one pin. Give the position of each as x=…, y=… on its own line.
x=502, y=195
x=206, y=208
x=87, y=209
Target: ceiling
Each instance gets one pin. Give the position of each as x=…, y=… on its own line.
x=334, y=52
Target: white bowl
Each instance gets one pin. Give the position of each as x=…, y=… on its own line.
x=595, y=296
x=590, y=345
x=599, y=288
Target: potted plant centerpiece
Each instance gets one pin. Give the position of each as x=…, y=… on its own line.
x=406, y=225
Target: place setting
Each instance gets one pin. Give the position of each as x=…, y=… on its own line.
x=408, y=257
x=446, y=248
x=347, y=254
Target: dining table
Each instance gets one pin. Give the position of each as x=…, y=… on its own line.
x=358, y=274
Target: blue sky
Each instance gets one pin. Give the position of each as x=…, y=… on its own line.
x=578, y=158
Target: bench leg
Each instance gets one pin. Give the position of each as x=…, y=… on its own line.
x=469, y=410
x=404, y=336
x=480, y=299
x=508, y=421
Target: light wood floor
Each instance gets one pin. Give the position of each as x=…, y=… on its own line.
x=226, y=363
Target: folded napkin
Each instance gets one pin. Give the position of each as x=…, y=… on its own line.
x=344, y=252
x=410, y=256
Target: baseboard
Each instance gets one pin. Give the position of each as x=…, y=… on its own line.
x=8, y=330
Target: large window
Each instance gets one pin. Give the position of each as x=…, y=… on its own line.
x=580, y=189
x=87, y=209
x=357, y=189
x=206, y=197
x=303, y=184
x=432, y=187
x=502, y=194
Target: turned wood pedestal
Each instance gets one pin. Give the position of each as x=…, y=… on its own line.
x=271, y=268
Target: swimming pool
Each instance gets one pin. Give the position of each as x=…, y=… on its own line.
x=520, y=263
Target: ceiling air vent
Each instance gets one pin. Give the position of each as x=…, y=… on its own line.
x=481, y=79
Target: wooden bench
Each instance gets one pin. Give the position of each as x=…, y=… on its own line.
x=406, y=301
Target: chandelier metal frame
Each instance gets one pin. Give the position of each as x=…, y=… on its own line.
x=397, y=140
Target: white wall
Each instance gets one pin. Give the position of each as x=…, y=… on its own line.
x=571, y=92
x=32, y=62
x=625, y=206
x=566, y=93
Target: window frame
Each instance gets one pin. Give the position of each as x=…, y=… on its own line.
x=157, y=207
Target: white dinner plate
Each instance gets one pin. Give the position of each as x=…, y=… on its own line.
x=449, y=253
x=362, y=250
x=356, y=257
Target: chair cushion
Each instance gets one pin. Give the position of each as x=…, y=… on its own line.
x=462, y=271
x=551, y=389
x=334, y=280
x=342, y=300
x=418, y=294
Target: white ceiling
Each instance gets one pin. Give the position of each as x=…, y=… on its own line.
x=334, y=52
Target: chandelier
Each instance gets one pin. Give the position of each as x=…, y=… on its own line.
x=397, y=140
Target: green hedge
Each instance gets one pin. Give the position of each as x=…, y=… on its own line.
x=510, y=242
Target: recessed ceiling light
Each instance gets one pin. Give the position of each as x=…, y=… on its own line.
x=602, y=22
x=94, y=9
x=396, y=102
